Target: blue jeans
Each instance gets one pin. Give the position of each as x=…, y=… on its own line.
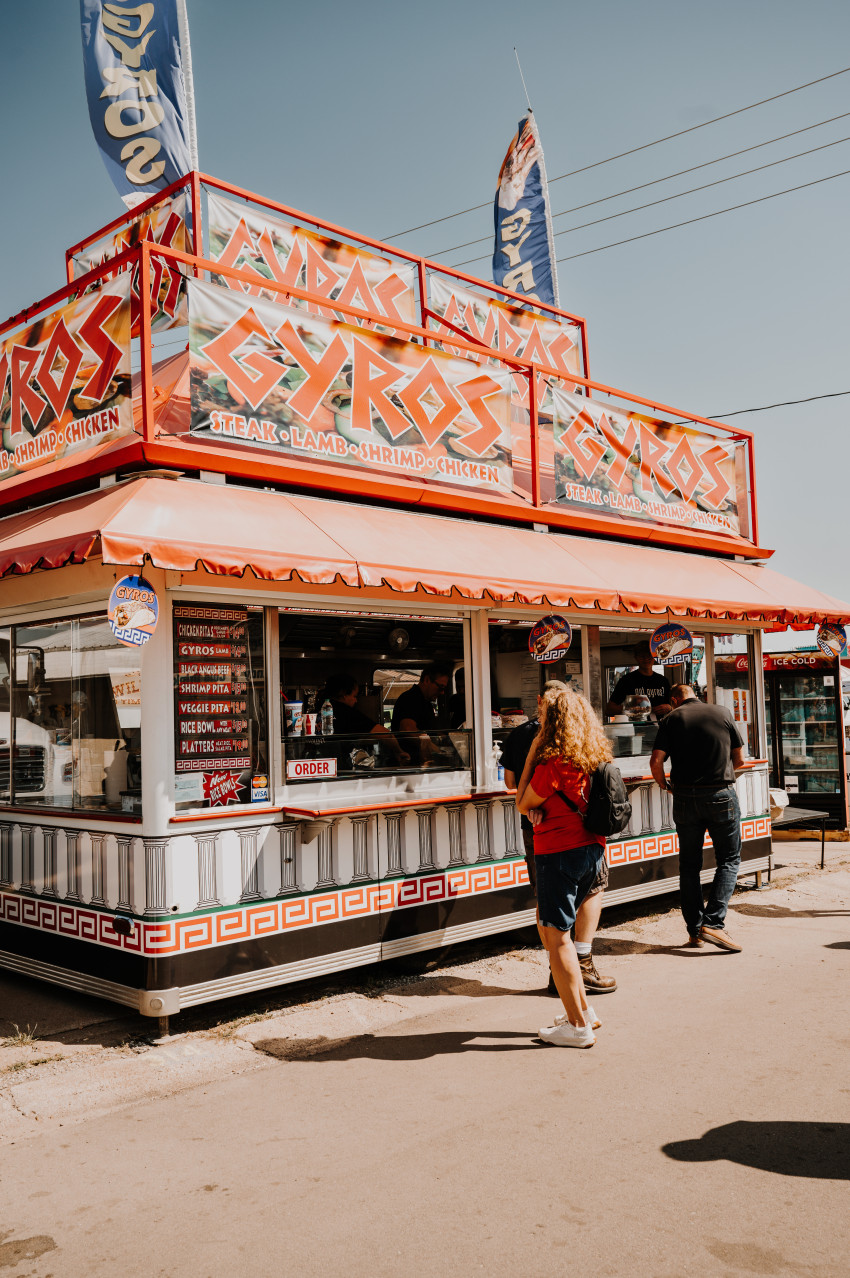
x=696, y=812
x=564, y=879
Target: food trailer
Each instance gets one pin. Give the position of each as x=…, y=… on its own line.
x=250, y=458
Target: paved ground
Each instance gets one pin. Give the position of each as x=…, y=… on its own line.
x=414, y=1125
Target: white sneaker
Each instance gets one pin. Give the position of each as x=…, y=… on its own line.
x=567, y=1035
x=590, y=1017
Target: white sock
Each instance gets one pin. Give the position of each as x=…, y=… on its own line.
x=583, y=948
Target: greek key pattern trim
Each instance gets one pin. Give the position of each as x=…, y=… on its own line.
x=246, y=922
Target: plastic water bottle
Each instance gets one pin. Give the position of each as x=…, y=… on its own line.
x=327, y=719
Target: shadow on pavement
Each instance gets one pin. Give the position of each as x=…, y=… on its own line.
x=817, y=1150
x=783, y=912
x=610, y=945
x=838, y=945
x=401, y=1047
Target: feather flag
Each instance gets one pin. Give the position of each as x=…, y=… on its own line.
x=524, y=251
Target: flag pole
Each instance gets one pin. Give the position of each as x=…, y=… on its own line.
x=188, y=82
x=522, y=77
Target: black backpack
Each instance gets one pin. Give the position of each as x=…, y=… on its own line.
x=608, y=808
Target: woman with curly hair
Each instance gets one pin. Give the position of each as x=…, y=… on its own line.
x=566, y=752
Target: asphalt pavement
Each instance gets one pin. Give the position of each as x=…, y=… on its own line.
x=422, y=1128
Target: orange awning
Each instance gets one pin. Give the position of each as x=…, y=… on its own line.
x=228, y=530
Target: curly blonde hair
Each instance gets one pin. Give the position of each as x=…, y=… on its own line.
x=570, y=730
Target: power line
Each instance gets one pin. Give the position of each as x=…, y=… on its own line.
x=679, y=194
x=764, y=408
x=630, y=190
x=788, y=191
x=634, y=150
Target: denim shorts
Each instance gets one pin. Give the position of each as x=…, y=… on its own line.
x=564, y=879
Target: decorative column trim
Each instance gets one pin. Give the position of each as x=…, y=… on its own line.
x=425, y=817
x=207, y=845
x=288, y=866
x=27, y=858
x=646, y=826
x=72, y=861
x=394, y=820
x=360, y=840
x=6, y=828
x=326, y=855
x=155, y=879
x=249, y=857
x=509, y=814
x=48, y=843
x=666, y=810
x=482, y=817
x=125, y=872
x=98, y=868
x=456, y=855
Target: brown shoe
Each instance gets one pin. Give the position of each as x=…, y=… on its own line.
x=694, y=943
x=720, y=937
x=592, y=979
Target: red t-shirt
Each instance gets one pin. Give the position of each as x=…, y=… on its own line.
x=561, y=828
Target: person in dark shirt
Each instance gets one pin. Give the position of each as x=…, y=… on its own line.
x=704, y=747
x=513, y=759
x=642, y=682
x=342, y=690
x=414, y=710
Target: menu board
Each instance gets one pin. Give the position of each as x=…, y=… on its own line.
x=211, y=714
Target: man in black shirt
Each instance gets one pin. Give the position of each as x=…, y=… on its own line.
x=705, y=747
x=642, y=682
x=513, y=760
x=414, y=710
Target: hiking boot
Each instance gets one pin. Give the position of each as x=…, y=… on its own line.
x=592, y=979
x=720, y=937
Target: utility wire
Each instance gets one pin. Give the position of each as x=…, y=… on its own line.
x=679, y=194
x=655, y=181
x=764, y=408
x=634, y=150
x=788, y=191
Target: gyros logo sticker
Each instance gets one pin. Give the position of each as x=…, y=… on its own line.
x=133, y=611
x=670, y=644
x=550, y=639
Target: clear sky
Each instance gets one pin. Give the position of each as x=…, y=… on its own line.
x=381, y=116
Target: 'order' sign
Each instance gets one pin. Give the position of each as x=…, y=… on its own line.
x=307, y=769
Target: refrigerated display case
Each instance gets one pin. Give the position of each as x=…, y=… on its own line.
x=805, y=732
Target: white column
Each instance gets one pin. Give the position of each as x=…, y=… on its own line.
x=72, y=861
x=98, y=868
x=6, y=853
x=757, y=664
x=157, y=717
x=272, y=619
x=479, y=644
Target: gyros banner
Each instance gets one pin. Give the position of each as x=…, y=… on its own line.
x=267, y=248
x=164, y=224
x=636, y=467
x=285, y=380
x=65, y=380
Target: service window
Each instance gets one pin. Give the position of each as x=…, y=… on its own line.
x=220, y=727
x=70, y=717
x=516, y=678
x=733, y=663
x=366, y=695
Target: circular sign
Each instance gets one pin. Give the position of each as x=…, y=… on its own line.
x=670, y=644
x=550, y=639
x=133, y=611
x=832, y=638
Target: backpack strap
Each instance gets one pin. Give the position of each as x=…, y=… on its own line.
x=571, y=804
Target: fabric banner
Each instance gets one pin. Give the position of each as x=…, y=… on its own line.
x=65, y=380
x=269, y=249
x=524, y=251
x=136, y=75
x=164, y=224
x=635, y=467
x=271, y=375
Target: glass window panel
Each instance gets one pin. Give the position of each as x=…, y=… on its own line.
x=5, y=714
x=734, y=685
x=43, y=715
x=106, y=719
